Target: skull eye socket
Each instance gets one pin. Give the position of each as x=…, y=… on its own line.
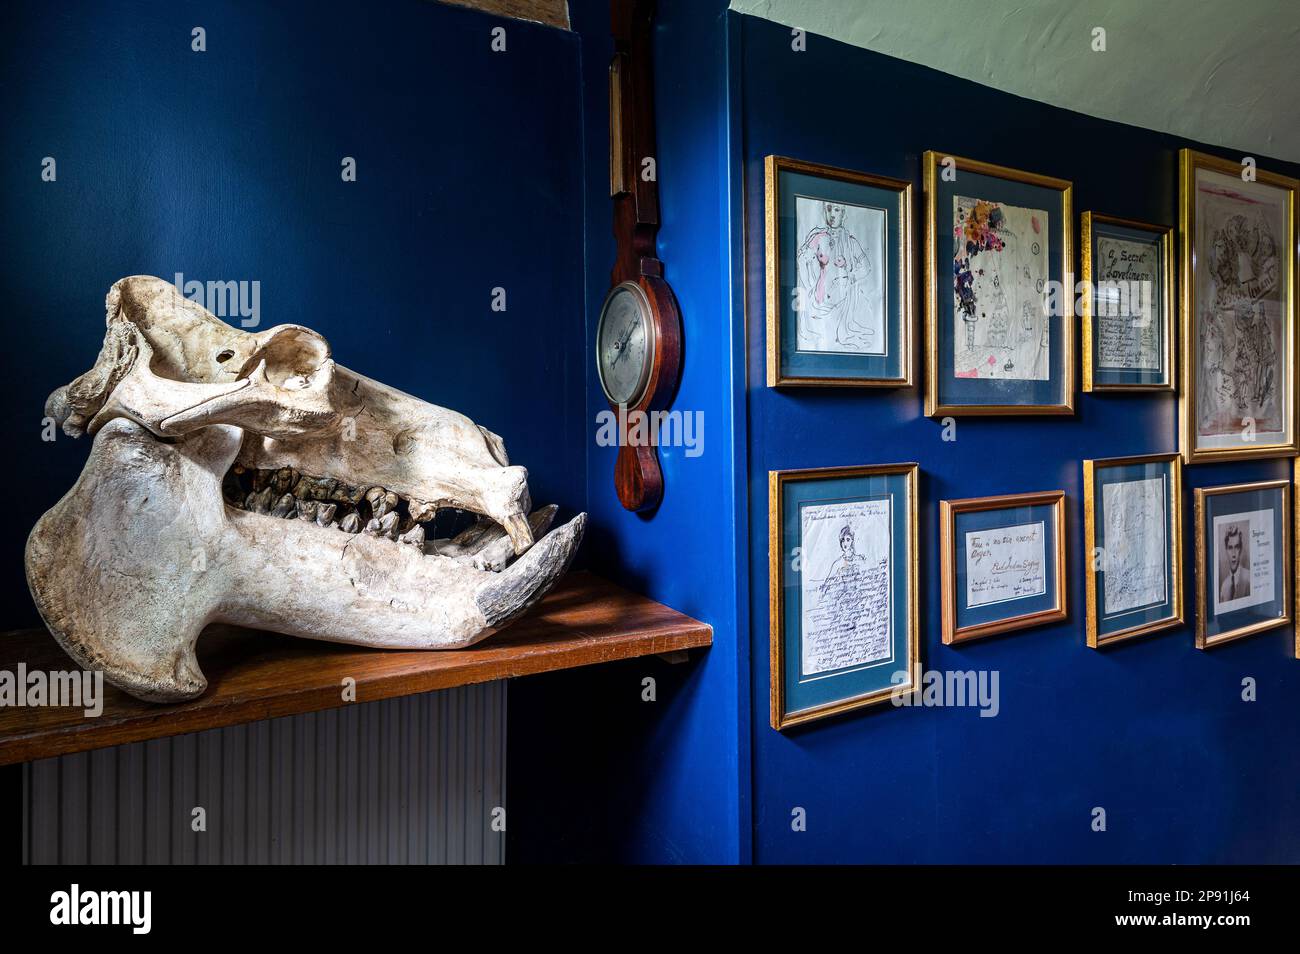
x=292, y=355
x=224, y=356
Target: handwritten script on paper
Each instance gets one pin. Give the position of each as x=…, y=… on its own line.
x=1128, y=335
x=1005, y=564
x=1135, y=554
x=847, y=554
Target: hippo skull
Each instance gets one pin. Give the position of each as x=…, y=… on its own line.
x=247, y=479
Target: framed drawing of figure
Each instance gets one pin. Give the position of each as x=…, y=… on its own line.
x=1243, y=541
x=1002, y=563
x=1132, y=524
x=1128, y=304
x=1238, y=301
x=839, y=276
x=999, y=301
x=842, y=589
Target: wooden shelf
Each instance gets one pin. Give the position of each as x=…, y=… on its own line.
x=254, y=675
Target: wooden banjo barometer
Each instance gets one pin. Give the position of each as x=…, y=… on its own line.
x=639, y=335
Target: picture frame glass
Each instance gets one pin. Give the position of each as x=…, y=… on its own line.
x=1131, y=309
x=1244, y=535
x=846, y=576
x=840, y=279
x=1134, y=561
x=1004, y=563
x=1242, y=317
x=999, y=253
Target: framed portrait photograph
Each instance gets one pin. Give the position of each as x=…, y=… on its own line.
x=1243, y=551
x=842, y=589
x=1133, y=518
x=999, y=296
x=1002, y=563
x=839, y=276
x=1128, y=304
x=1238, y=241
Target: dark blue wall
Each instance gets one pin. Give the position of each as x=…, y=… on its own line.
x=475, y=170
x=226, y=165
x=609, y=775
x=1153, y=731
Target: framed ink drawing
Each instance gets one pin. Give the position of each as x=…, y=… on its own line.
x=1002, y=563
x=842, y=589
x=839, y=276
x=1243, y=540
x=999, y=317
x=1238, y=302
x=1128, y=304
x=1132, y=518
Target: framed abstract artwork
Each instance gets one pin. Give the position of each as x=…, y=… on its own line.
x=1132, y=520
x=1127, y=300
x=839, y=276
x=999, y=296
x=1002, y=564
x=1243, y=553
x=843, y=583
x=1237, y=235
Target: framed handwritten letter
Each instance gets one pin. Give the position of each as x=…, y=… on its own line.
x=839, y=276
x=1132, y=522
x=1238, y=236
x=1002, y=563
x=1243, y=548
x=843, y=589
x=1127, y=299
x=999, y=296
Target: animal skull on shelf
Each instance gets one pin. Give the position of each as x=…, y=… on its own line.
x=247, y=479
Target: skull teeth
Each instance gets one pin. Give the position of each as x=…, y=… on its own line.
x=334, y=504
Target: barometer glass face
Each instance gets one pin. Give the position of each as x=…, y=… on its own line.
x=625, y=344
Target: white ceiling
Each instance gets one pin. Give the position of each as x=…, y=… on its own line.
x=1225, y=72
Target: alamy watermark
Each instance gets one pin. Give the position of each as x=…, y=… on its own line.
x=229, y=299
x=937, y=688
x=36, y=688
x=651, y=429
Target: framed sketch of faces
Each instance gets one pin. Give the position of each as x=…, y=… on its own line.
x=839, y=276
x=1238, y=304
x=999, y=296
x=1002, y=563
x=1127, y=300
x=1132, y=517
x=843, y=585
x=1243, y=547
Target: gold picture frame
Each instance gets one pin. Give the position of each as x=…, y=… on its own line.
x=1173, y=549
x=1190, y=162
x=777, y=376
x=1202, y=494
x=778, y=481
x=1166, y=242
x=935, y=277
x=1295, y=560
x=954, y=634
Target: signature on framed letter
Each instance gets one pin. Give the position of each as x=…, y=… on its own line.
x=1239, y=305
